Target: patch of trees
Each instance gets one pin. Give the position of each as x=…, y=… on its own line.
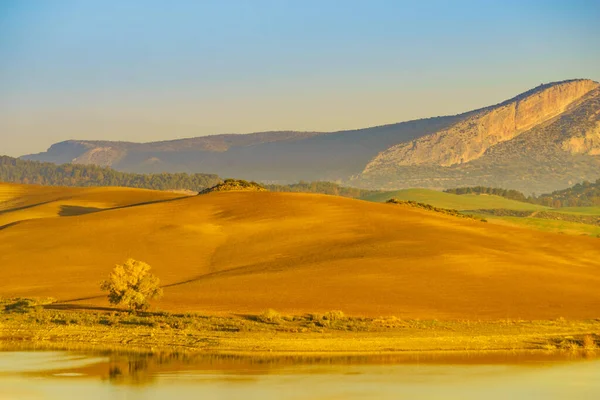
x=33, y=172
x=507, y=193
x=585, y=194
x=235, y=185
x=429, y=207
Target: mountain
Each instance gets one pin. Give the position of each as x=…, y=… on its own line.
x=560, y=150
x=295, y=156
x=244, y=252
x=542, y=140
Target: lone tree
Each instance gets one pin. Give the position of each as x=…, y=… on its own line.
x=132, y=285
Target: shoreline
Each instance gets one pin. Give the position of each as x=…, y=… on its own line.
x=270, y=333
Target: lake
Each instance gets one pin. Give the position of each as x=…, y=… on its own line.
x=97, y=375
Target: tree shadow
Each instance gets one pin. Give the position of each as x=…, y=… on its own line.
x=72, y=211
x=73, y=307
x=9, y=225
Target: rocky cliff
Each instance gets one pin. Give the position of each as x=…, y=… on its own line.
x=470, y=138
x=553, y=155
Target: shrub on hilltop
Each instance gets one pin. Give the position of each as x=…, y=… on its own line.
x=429, y=207
x=235, y=185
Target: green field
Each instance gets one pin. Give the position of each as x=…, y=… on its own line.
x=468, y=202
x=454, y=201
x=580, y=210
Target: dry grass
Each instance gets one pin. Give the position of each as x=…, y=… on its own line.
x=333, y=332
x=297, y=253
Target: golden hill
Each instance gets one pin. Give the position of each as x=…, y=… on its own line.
x=244, y=252
x=22, y=202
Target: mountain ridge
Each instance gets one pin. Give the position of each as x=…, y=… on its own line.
x=488, y=127
x=439, y=152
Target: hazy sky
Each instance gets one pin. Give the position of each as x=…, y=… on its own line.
x=151, y=70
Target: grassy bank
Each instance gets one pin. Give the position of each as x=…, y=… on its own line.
x=52, y=327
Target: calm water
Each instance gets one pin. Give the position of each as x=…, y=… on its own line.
x=64, y=375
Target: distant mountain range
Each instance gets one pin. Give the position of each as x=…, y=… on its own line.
x=542, y=140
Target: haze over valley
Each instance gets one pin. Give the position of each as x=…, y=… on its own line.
x=542, y=140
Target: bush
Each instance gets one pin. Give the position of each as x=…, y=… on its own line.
x=132, y=285
x=334, y=316
x=21, y=306
x=269, y=316
x=588, y=342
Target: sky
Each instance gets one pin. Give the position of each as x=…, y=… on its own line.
x=149, y=70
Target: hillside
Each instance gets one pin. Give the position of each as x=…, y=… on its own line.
x=554, y=154
x=470, y=138
x=453, y=201
x=542, y=140
x=240, y=252
x=535, y=213
x=24, y=202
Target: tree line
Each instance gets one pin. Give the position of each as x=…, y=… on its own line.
x=507, y=193
x=15, y=170
x=585, y=194
x=33, y=172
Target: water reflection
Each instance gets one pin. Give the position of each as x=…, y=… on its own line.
x=143, y=368
x=495, y=375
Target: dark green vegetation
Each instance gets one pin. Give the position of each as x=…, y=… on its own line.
x=44, y=324
x=549, y=215
x=429, y=207
x=506, y=193
x=30, y=172
x=585, y=194
x=229, y=185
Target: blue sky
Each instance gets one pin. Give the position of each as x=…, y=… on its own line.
x=152, y=70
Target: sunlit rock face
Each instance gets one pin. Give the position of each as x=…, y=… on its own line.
x=471, y=137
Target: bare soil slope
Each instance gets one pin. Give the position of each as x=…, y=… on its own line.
x=244, y=252
x=23, y=202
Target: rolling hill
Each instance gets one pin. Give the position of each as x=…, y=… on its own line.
x=545, y=139
x=500, y=210
x=239, y=252
x=453, y=201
